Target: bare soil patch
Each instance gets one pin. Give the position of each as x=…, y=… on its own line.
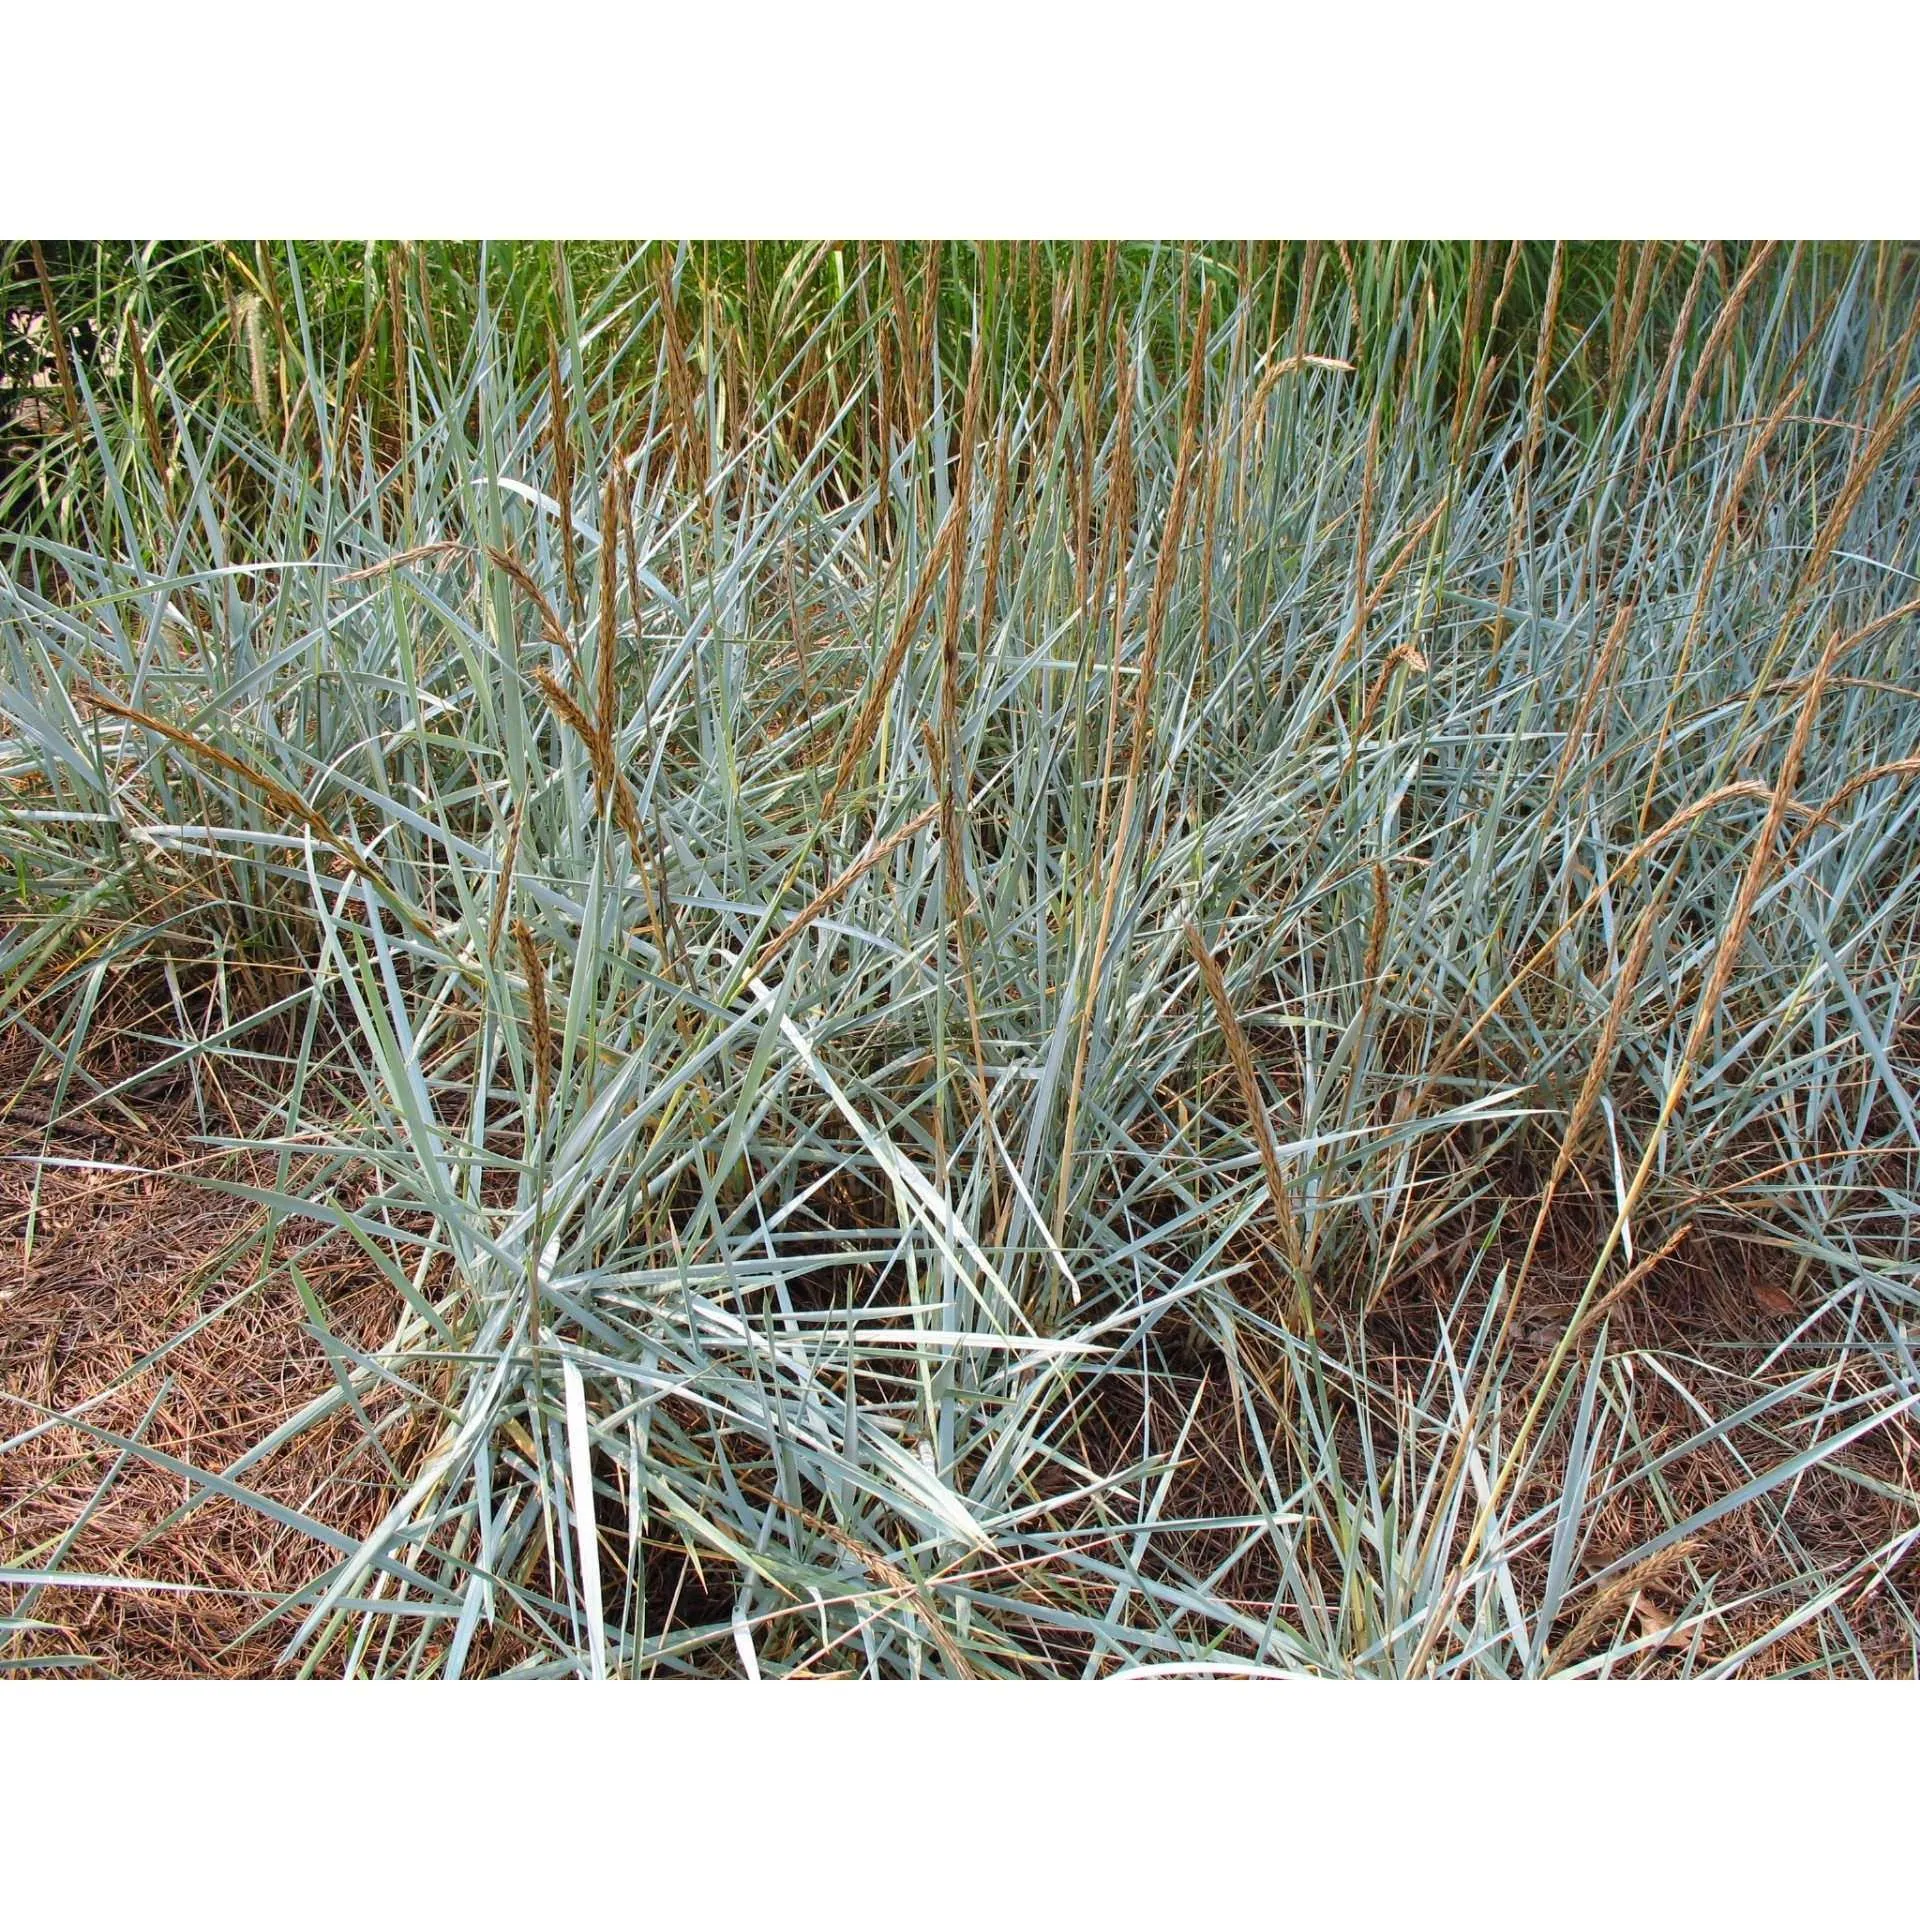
x=123, y=1311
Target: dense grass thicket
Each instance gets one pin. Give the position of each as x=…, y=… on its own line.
x=1021, y=961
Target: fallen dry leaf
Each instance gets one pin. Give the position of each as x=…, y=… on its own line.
x=1653, y=1620
x=1651, y=1617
